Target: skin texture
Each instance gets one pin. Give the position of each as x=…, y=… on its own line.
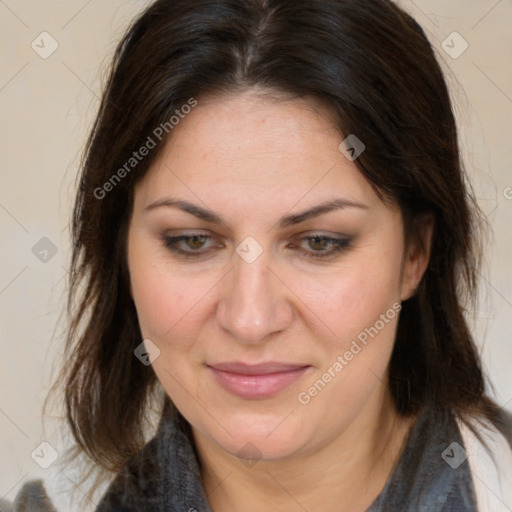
x=252, y=160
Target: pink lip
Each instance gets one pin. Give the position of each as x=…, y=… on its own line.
x=256, y=381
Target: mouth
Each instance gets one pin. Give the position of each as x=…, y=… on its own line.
x=256, y=381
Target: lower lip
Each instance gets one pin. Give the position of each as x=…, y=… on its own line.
x=257, y=386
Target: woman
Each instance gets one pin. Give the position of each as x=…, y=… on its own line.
x=273, y=246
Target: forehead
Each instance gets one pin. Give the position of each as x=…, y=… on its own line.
x=246, y=150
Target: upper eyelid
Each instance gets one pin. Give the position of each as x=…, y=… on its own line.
x=209, y=234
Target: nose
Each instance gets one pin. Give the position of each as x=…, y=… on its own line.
x=254, y=302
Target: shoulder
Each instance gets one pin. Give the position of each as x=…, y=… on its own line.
x=489, y=455
x=163, y=477
x=133, y=490
x=31, y=497
x=137, y=487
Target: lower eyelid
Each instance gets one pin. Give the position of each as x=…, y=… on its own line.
x=336, y=246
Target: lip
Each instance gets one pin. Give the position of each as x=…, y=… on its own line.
x=256, y=381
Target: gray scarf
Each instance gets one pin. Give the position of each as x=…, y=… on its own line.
x=165, y=475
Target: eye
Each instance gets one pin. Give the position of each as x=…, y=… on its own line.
x=318, y=243
x=322, y=246
x=195, y=245
x=195, y=241
x=191, y=245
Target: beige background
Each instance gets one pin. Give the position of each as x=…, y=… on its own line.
x=46, y=107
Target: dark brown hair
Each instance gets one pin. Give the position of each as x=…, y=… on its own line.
x=372, y=66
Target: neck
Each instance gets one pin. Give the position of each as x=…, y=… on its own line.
x=344, y=474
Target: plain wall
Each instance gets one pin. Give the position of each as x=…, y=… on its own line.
x=46, y=108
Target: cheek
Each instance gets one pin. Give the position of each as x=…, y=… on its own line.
x=168, y=307
x=158, y=293
x=167, y=302
x=362, y=309
x=171, y=319
x=360, y=304
x=353, y=296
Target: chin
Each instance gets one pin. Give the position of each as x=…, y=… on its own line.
x=257, y=436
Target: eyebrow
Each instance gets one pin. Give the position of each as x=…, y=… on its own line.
x=286, y=221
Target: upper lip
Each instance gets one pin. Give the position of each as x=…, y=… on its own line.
x=257, y=369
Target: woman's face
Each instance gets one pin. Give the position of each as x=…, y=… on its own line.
x=269, y=275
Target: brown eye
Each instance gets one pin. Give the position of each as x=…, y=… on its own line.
x=193, y=245
x=321, y=246
x=196, y=241
x=318, y=243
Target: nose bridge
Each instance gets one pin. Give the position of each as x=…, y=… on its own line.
x=253, y=304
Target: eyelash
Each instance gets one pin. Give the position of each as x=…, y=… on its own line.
x=338, y=245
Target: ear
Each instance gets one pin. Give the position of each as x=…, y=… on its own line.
x=416, y=257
